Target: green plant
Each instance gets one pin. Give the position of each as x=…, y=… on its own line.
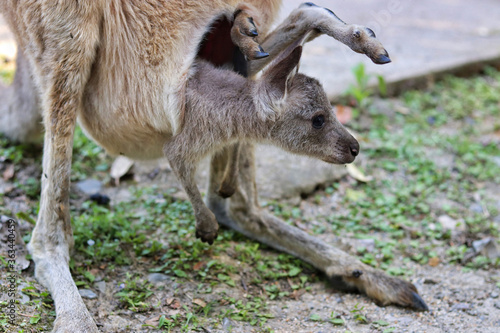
x=360, y=90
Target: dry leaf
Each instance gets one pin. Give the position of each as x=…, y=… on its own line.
x=171, y=313
x=121, y=166
x=434, y=261
x=199, y=302
x=175, y=304
x=198, y=265
x=355, y=173
x=402, y=109
x=344, y=113
x=154, y=321
x=9, y=172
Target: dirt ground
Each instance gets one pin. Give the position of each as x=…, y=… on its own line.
x=459, y=301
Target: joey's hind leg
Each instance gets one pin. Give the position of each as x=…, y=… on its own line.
x=20, y=115
x=244, y=32
x=229, y=181
x=243, y=214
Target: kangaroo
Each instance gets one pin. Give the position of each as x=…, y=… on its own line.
x=155, y=78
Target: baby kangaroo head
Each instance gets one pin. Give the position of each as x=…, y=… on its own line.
x=305, y=122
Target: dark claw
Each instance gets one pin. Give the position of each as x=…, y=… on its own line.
x=260, y=55
x=382, y=59
x=253, y=33
x=418, y=303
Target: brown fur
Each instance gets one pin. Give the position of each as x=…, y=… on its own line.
x=127, y=70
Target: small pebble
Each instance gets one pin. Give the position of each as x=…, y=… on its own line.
x=101, y=286
x=86, y=293
x=461, y=306
x=89, y=186
x=156, y=278
x=494, y=294
x=227, y=325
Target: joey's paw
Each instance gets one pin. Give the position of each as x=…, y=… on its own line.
x=243, y=35
x=207, y=237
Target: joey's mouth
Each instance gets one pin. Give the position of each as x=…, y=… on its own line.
x=332, y=160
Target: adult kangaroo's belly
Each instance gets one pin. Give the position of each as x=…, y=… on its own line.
x=129, y=108
x=133, y=100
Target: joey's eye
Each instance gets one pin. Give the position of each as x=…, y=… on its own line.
x=318, y=121
x=356, y=34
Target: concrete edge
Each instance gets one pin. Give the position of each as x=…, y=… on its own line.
x=425, y=80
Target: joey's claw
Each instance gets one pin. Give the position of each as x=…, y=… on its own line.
x=382, y=59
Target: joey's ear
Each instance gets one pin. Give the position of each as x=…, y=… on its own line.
x=280, y=75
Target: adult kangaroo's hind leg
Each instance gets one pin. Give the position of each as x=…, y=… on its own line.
x=20, y=114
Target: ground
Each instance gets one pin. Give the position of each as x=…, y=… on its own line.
x=432, y=204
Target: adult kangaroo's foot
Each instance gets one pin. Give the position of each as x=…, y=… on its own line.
x=244, y=33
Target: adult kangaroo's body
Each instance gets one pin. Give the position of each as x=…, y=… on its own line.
x=131, y=72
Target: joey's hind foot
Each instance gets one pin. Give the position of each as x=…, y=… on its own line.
x=244, y=34
x=384, y=289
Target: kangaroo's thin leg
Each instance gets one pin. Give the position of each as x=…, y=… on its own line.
x=63, y=63
x=245, y=216
x=311, y=18
x=20, y=114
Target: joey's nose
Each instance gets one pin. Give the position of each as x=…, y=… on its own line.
x=354, y=147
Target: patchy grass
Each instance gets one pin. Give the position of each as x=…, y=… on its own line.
x=433, y=153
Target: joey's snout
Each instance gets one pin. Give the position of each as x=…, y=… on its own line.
x=350, y=148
